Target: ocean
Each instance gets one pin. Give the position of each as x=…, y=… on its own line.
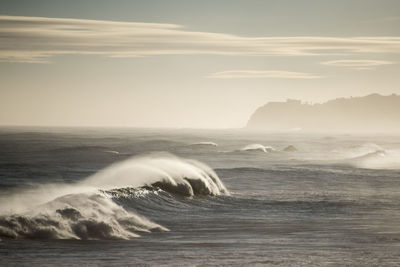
x=181, y=197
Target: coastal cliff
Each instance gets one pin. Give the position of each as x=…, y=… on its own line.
x=371, y=113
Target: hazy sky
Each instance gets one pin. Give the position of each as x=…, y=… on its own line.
x=170, y=63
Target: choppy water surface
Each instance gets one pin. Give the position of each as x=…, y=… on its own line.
x=169, y=197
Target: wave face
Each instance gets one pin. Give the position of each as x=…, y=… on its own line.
x=83, y=213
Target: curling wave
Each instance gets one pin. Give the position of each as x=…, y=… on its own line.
x=87, y=210
x=172, y=174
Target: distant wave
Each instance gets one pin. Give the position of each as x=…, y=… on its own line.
x=360, y=150
x=379, y=159
x=205, y=143
x=258, y=147
x=369, y=156
x=111, y=152
x=86, y=210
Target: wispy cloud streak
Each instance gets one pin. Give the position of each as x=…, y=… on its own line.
x=357, y=63
x=263, y=74
x=35, y=39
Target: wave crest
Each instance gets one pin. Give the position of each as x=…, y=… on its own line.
x=169, y=173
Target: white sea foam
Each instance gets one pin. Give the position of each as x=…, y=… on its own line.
x=76, y=216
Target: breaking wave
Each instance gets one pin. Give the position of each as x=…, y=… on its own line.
x=258, y=147
x=89, y=210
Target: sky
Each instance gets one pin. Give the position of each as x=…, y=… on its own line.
x=186, y=63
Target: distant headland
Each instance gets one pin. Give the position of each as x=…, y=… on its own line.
x=371, y=113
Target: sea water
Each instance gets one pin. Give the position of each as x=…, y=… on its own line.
x=90, y=196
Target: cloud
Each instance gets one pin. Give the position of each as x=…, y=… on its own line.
x=263, y=74
x=36, y=39
x=363, y=64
